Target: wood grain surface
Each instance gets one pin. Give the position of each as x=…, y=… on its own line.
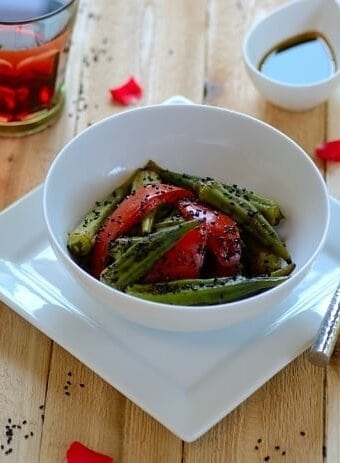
x=192, y=48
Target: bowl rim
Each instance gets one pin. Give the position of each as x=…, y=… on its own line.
x=156, y=306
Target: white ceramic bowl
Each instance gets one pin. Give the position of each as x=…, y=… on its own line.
x=292, y=19
x=199, y=140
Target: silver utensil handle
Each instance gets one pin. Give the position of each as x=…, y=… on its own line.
x=322, y=348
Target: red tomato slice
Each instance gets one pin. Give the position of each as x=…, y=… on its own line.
x=223, y=238
x=182, y=261
x=128, y=213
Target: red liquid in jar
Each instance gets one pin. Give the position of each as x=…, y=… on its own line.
x=30, y=63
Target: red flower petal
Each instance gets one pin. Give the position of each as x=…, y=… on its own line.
x=127, y=93
x=78, y=453
x=329, y=151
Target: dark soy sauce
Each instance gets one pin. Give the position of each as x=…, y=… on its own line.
x=300, y=60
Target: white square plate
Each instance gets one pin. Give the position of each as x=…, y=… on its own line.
x=187, y=381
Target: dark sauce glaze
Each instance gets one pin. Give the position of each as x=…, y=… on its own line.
x=300, y=60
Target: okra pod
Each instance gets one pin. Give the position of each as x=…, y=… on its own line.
x=80, y=241
x=236, y=202
x=174, y=178
x=138, y=259
x=268, y=207
x=258, y=260
x=146, y=177
x=244, y=213
x=121, y=244
x=203, y=291
x=169, y=221
x=283, y=271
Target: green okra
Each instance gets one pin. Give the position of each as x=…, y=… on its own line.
x=139, y=258
x=237, y=203
x=174, y=178
x=146, y=177
x=253, y=212
x=81, y=240
x=120, y=245
x=244, y=213
x=169, y=221
x=283, y=271
x=203, y=291
x=268, y=207
x=272, y=213
x=258, y=259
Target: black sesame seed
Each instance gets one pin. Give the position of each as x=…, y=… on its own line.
x=267, y=458
x=259, y=440
x=283, y=453
x=67, y=393
x=69, y=373
x=82, y=385
x=24, y=422
x=302, y=433
x=26, y=436
x=277, y=447
x=8, y=451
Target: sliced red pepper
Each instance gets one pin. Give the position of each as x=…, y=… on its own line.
x=127, y=93
x=329, y=151
x=79, y=453
x=128, y=213
x=223, y=238
x=184, y=260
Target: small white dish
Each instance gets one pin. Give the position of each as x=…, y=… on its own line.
x=199, y=140
x=186, y=381
x=291, y=20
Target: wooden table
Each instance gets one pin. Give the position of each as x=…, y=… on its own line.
x=193, y=48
